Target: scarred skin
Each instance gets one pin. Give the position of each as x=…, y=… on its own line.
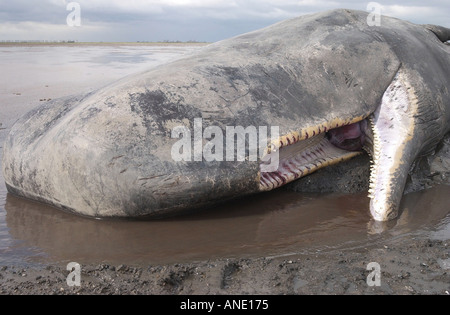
x=108, y=153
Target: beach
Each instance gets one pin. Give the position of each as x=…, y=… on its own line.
x=311, y=237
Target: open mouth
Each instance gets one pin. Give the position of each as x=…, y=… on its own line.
x=386, y=135
x=320, y=147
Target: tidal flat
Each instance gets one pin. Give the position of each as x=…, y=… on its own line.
x=290, y=241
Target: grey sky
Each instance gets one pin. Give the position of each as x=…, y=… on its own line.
x=201, y=20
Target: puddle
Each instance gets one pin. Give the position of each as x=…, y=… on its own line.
x=272, y=224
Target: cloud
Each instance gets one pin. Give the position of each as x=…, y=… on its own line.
x=419, y=14
x=410, y=12
x=30, y=30
x=204, y=20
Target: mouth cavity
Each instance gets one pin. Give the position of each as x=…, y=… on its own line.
x=389, y=135
x=302, y=154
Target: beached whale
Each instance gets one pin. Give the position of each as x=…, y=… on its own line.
x=321, y=88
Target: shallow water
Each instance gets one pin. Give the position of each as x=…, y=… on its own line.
x=278, y=223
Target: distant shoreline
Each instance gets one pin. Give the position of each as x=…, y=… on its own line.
x=76, y=44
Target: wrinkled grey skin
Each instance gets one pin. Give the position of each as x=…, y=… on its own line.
x=108, y=154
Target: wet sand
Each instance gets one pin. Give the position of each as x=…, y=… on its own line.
x=285, y=242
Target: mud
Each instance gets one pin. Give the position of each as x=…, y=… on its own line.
x=314, y=236
x=416, y=267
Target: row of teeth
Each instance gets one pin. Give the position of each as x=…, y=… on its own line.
x=299, y=166
x=375, y=154
x=294, y=137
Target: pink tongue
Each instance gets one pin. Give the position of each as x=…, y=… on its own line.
x=348, y=137
x=352, y=131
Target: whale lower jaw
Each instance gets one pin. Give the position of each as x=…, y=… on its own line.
x=386, y=136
